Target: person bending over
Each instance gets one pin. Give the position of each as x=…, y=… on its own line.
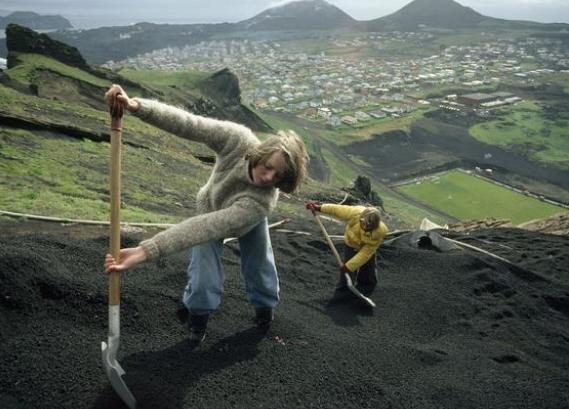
x=241, y=192
x=363, y=235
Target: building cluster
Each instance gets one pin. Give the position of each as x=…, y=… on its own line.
x=454, y=102
x=352, y=90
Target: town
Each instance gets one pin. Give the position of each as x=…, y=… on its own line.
x=343, y=87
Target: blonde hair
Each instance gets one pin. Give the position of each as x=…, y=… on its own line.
x=371, y=218
x=294, y=153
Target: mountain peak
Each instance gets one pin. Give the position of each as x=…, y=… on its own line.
x=300, y=15
x=432, y=13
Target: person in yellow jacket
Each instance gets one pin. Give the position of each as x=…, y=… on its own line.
x=363, y=235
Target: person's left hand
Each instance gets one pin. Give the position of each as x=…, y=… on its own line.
x=128, y=258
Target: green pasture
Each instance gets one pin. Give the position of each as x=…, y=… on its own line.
x=468, y=197
x=525, y=129
x=27, y=72
x=184, y=79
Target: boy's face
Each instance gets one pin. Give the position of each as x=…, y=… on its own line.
x=271, y=172
x=365, y=225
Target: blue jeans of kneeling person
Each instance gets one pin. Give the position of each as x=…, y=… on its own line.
x=202, y=294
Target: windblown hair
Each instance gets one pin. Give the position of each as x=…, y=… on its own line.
x=294, y=153
x=371, y=218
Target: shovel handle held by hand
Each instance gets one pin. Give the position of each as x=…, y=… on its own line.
x=116, y=111
x=328, y=239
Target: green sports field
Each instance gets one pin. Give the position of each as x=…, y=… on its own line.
x=468, y=197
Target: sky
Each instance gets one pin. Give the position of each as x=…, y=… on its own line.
x=93, y=13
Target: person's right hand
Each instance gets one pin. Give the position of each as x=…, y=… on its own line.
x=128, y=258
x=118, y=94
x=312, y=205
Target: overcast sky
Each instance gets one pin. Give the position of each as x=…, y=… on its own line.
x=211, y=11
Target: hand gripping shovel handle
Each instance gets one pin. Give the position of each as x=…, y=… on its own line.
x=349, y=283
x=109, y=349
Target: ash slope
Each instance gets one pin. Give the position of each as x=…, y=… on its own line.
x=450, y=330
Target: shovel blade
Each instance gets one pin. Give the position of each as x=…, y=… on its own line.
x=356, y=292
x=115, y=372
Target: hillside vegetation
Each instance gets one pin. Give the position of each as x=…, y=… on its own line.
x=55, y=147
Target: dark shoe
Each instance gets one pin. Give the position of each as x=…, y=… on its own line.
x=264, y=316
x=197, y=324
x=182, y=314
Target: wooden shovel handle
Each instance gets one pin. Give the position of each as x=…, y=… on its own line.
x=328, y=239
x=115, y=187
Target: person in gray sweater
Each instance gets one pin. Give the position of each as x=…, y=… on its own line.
x=241, y=192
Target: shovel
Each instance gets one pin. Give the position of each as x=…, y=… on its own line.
x=349, y=282
x=109, y=349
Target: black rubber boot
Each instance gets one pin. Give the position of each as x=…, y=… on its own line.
x=182, y=314
x=197, y=324
x=264, y=316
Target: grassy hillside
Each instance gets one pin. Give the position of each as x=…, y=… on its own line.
x=525, y=128
x=54, y=149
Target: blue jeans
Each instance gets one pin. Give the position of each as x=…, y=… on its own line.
x=202, y=294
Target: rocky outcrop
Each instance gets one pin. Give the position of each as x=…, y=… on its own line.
x=21, y=39
x=223, y=101
x=223, y=86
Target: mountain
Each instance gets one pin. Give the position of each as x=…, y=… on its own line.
x=300, y=15
x=35, y=21
x=431, y=13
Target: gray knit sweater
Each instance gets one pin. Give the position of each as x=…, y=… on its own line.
x=229, y=204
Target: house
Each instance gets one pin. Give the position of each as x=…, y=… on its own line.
x=334, y=121
x=349, y=120
x=476, y=98
x=378, y=114
x=391, y=110
x=362, y=116
x=324, y=112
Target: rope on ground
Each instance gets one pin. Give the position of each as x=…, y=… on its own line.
x=81, y=221
x=478, y=249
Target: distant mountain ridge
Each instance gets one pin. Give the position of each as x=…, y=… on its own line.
x=35, y=21
x=117, y=43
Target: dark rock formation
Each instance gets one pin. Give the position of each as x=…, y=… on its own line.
x=21, y=39
x=224, y=86
x=362, y=192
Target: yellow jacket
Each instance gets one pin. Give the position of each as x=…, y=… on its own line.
x=366, y=243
